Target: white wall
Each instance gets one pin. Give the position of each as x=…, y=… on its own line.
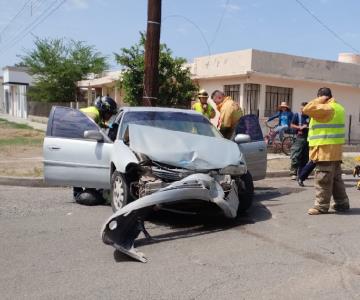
x=302, y=91
x=12, y=75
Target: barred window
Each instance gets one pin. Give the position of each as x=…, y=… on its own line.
x=251, y=102
x=274, y=96
x=233, y=91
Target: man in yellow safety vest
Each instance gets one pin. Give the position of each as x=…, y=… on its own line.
x=101, y=112
x=326, y=137
x=202, y=105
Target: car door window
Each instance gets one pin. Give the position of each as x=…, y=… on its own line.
x=249, y=124
x=66, y=122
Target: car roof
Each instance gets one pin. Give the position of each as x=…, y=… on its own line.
x=159, y=109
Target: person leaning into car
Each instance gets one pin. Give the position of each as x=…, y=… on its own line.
x=230, y=113
x=101, y=112
x=326, y=137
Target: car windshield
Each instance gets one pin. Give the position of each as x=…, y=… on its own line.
x=177, y=121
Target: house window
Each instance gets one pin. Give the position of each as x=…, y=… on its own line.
x=233, y=91
x=274, y=96
x=251, y=101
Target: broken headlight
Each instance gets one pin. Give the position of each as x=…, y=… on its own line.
x=234, y=170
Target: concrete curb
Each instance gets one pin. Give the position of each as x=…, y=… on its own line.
x=24, y=181
x=287, y=174
x=39, y=181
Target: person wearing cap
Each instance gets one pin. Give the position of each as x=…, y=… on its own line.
x=326, y=137
x=285, y=117
x=202, y=105
x=230, y=113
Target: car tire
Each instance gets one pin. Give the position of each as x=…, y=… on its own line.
x=119, y=193
x=89, y=197
x=245, y=192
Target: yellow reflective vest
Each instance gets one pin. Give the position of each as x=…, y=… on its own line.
x=93, y=113
x=198, y=107
x=329, y=133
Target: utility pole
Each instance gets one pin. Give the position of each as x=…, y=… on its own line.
x=152, y=48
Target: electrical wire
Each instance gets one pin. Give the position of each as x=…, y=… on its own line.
x=196, y=26
x=21, y=17
x=220, y=22
x=14, y=17
x=50, y=9
x=326, y=27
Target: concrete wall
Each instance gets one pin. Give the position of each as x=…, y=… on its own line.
x=222, y=65
x=2, y=96
x=42, y=109
x=15, y=100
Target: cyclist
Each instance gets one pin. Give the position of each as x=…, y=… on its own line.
x=285, y=117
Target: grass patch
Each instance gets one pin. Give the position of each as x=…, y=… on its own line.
x=33, y=172
x=6, y=124
x=21, y=141
x=13, y=134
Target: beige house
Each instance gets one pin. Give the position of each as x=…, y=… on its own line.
x=102, y=85
x=260, y=80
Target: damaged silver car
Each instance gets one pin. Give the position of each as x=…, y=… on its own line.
x=151, y=159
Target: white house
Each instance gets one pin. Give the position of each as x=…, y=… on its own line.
x=2, y=102
x=15, y=84
x=260, y=80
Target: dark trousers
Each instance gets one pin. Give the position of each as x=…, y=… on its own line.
x=306, y=170
x=299, y=155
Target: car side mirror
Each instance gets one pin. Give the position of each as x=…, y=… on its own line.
x=242, y=138
x=94, y=135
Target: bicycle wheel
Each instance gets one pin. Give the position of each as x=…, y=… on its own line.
x=286, y=144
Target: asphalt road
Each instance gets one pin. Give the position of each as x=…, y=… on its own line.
x=50, y=248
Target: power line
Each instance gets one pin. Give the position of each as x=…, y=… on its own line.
x=22, y=17
x=326, y=27
x=50, y=9
x=220, y=22
x=195, y=25
x=14, y=17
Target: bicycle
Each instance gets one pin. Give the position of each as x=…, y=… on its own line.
x=277, y=145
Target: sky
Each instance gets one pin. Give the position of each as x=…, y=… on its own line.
x=190, y=28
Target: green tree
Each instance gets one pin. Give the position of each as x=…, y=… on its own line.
x=57, y=65
x=176, y=89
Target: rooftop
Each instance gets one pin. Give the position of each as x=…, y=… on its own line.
x=252, y=61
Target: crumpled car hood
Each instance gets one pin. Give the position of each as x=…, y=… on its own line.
x=184, y=150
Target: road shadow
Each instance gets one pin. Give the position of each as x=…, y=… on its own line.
x=272, y=194
x=187, y=226
x=180, y=226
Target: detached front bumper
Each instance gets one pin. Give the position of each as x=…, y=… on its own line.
x=124, y=226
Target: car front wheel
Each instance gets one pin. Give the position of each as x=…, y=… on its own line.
x=245, y=192
x=119, y=195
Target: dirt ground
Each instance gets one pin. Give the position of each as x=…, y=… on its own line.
x=20, y=150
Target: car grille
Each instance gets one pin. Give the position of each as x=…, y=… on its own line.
x=170, y=175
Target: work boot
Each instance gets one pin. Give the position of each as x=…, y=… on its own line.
x=315, y=211
x=341, y=207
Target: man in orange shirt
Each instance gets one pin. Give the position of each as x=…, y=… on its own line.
x=326, y=137
x=230, y=113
